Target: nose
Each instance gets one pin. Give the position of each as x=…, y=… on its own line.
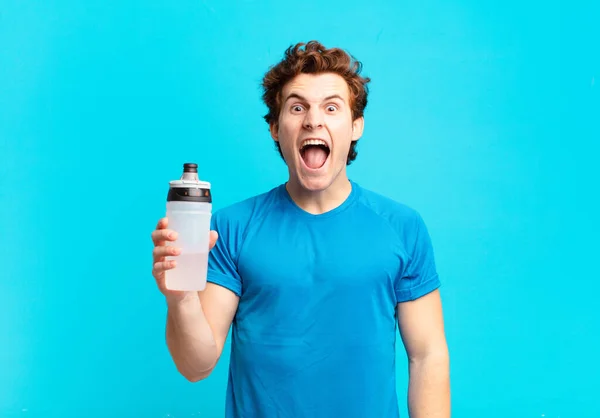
x=313, y=120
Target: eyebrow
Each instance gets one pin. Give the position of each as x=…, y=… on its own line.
x=297, y=96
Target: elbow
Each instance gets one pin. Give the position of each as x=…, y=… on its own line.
x=439, y=357
x=195, y=377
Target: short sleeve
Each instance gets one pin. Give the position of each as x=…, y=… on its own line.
x=222, y=259
x=419, y=275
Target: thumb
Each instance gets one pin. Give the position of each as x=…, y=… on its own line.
x=213, y=239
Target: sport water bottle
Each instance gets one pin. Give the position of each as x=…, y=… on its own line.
x=189, y=205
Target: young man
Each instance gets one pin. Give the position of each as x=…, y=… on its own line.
x=316, y=275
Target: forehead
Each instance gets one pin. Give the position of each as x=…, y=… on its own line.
x=315, y=87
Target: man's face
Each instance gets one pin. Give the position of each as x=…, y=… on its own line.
x=315, y=129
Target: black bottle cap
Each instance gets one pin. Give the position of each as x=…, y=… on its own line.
x=190, y=168
x=189, y=194
x=188, y=188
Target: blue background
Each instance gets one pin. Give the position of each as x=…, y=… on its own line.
x=484, y=116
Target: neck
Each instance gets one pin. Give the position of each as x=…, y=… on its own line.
x=320, y=201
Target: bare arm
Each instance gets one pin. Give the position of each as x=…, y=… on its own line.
x=197, y=327
x=422, y=330
x=197, y=322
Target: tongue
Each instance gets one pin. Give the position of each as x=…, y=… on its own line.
x=314, y=157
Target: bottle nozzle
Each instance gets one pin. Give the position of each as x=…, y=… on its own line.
x=190, y=168
x=190, y=172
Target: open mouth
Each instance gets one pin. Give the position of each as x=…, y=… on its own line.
x=314, y=153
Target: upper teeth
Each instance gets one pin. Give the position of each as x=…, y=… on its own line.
x=313, y=142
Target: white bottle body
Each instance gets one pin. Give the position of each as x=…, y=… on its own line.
x=191, y=221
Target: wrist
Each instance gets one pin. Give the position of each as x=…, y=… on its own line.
x=181, y=298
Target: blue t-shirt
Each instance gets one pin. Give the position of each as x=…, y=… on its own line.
x=315, y=330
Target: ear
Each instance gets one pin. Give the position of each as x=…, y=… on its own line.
x=274, y=129
x=357, y=128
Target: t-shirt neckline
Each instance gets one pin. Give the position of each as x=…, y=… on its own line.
x=340, y=208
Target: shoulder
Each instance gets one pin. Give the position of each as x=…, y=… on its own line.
x=241, y=214
x=404, y=219
x=233, y=224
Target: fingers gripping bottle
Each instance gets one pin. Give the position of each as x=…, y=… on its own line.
x=189, y=205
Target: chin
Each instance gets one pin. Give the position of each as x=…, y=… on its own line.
x=315, y=184
x=315, y=180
